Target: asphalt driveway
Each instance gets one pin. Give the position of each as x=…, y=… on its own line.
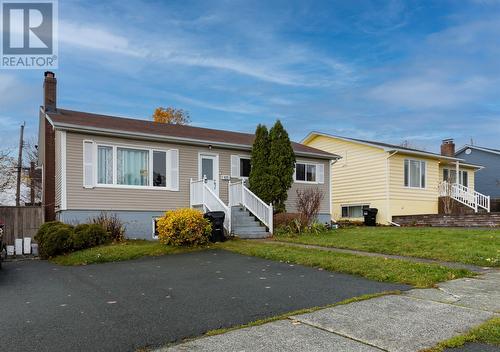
x=149, y=302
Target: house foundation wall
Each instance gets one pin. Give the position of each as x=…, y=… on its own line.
x=138, y=224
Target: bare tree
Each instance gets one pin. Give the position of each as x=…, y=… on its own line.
x=308, y=203
x=32, y=177
x=7, y=170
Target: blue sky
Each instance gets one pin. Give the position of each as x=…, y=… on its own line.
x=383, y=70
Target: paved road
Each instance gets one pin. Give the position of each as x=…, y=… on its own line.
x=153, y=301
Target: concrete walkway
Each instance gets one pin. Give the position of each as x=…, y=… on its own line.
x=412, y=321
x=454, y=265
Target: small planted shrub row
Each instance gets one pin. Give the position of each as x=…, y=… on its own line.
x=308, y=204
x=55, y=238
x=184, y=227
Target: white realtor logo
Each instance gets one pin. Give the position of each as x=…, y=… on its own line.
x=17, y=27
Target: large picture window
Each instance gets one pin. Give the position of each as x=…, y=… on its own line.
x=122, y=166
x=414, y=173
x=132, y=167
x=105, y=165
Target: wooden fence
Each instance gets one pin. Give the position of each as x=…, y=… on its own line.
x=20, y=222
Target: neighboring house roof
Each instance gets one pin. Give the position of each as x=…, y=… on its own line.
x=385, y=146
x=103, y=124
x=484, y=149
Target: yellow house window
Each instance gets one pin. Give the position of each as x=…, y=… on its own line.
x=415, y=173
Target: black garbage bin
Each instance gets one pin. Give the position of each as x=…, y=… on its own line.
x=216, y=218
x=370, y=215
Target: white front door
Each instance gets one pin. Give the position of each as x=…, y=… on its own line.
x=208, y=169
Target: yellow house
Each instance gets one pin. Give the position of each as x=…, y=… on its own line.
x=396, y=180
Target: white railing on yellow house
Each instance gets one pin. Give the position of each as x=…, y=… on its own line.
x=239, y=194
x=202, y=195
x=465, y=195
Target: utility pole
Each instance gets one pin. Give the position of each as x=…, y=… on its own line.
x=19, y=167
x=32, y=183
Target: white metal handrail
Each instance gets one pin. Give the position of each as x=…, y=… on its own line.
x=465, y=195
x=202, y=195
x=239, y=194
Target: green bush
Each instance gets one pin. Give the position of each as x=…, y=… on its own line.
x=54, y=238
x=184, y=227
x=89, y=235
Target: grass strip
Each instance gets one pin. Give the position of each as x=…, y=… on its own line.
x=127, y=250
x=488, y=333
x=374, y=268
x=477, y=246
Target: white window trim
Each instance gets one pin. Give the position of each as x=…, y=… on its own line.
x=240, y=156
x=306, y=163
x=115, y=166
x=420, y=175
x=153, y=219
x=89, y=185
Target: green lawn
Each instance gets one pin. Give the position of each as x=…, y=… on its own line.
x=470, y=246
x=127, y=250
x=380, y=269
x=488, y=332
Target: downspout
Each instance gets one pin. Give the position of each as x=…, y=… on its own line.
x=387, y=190
x=330, y=179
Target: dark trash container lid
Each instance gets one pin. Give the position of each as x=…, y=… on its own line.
x=215, y=214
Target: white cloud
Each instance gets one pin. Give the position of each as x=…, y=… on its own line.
x=428, y=91
x=241, y=108
x=95, y=38
x=186, y=50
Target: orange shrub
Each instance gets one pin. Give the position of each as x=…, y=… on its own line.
x=184, y=227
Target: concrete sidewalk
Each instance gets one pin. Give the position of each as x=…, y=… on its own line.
x=412, y=321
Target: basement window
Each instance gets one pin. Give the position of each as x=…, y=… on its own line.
x=353, y=211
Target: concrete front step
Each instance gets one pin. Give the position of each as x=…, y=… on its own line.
x=245, y=225
x=253, y=235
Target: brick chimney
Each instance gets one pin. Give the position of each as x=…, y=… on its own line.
x=448, y=147
x=50, y=91
x=48, y=167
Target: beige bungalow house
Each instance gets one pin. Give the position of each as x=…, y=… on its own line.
x=138, y=169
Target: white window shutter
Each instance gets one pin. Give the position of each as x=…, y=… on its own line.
x=235, y=166
x=320, y=171
x=173, y=169
x=88, y=164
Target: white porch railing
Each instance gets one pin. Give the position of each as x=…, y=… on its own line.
x=465, y=195
x=202, y=195
x=239, y=194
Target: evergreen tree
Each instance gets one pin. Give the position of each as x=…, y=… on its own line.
x=281, y=164
x=259, y=173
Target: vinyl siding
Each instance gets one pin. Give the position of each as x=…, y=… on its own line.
x=102, y=198
x=413, y=201
x=487, y=180
x=323, y=188
x=358, y=178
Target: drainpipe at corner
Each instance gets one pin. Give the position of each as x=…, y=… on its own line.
x=387, y=188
